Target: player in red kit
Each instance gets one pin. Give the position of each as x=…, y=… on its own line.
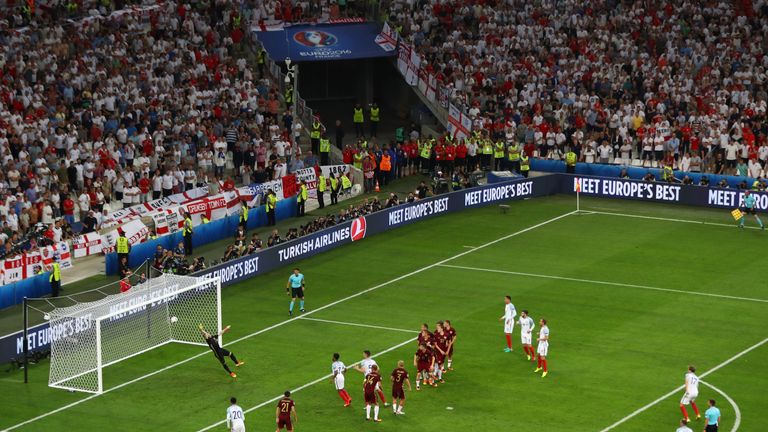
x=285, y=413
x=425, y=337
x=399, y=377
x=441, y=351
x=371, y=384
x=423, y=361
x=451, y=332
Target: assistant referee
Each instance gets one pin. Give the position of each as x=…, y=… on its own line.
x=295, y=288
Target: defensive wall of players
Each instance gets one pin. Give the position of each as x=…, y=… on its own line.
x=498, y=191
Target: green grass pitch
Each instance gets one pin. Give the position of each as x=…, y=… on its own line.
x=631, y=302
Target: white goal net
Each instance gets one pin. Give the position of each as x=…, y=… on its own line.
x=120, y=326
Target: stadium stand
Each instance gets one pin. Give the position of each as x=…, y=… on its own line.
x=117, y=108
x=656, y=83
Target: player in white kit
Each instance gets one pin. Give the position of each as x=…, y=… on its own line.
x=338, y=369
x=691, y=392
x=509, y=321
x=683, y=427
x=526, y=334
x=235, y=417
x=365, y=366
x=543, y=347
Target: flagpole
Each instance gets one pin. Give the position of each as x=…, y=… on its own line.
x=578, y=193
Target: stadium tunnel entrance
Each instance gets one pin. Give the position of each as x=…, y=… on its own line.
x=332, y=88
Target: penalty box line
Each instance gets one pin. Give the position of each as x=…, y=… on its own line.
x=678, y=389
x=282, y=323
x=598, y=282
x=304, y=386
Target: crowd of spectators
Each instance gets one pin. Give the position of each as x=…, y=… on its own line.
x=102, y=113
x=658, y=81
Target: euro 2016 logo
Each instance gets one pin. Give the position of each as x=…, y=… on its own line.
x=315, y=39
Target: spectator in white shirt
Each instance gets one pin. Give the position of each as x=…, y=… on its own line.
x=605, y=152
x=168, y=183
x=84, y=203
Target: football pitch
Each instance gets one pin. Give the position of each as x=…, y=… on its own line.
x=633, y=292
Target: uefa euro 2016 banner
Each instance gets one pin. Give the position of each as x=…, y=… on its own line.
x=319, y=42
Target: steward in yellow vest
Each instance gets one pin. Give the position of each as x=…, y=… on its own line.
x=314, y=136
x=55, y=279
x=244, y=215
x=513, y=155
x=301, y=199
x=271, y=205
x=325, y=150
x=321, y=187
x=570, y=162
x=374, y=116
x=187, y=233
x=525, y=165
x=358, y=119
x=123, y=246
x=498, y=154
x=334, y=190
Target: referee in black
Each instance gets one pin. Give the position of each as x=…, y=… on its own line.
x=219, y=352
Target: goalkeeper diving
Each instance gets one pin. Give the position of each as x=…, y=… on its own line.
x=219, y=352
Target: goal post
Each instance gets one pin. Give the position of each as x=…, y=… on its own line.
x=89, y=337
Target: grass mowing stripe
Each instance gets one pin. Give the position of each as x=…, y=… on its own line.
x=358, y=325
x=688, y=221
x=597, y=282
x=709, y=372
x=736, y=410
x=282, y=323
x=309, y=384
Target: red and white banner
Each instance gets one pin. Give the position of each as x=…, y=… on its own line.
x=192, y=194
x=423, y=81
x=13, y=269
x=408, y=62
x=215, y=207
x=167, y=221
x=86, y=244
x=33, y=262
x=431, y=88
x=134, y=230
x=403, y=58
x=249, y=194
x=60, y=250
x=459, y=124
x=387, y=39
x=119, y=217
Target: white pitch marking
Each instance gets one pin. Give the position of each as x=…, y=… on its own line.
x=597, y=282
x=359, y=325
x=678, y=389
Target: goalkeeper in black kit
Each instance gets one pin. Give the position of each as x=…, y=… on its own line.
x=219, y=352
